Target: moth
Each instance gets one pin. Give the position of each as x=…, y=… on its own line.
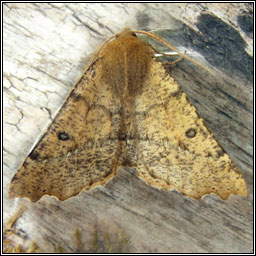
x=126, y=110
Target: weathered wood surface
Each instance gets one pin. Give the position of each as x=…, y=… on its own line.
x=46, y=47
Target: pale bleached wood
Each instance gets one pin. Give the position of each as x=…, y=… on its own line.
x=46, y=47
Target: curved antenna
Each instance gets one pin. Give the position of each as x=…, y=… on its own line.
x=164, y=42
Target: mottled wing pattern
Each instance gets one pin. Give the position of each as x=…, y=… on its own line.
x=126, y=110
x=175, y=149
x=79, y=150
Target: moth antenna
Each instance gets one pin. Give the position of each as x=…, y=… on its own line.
x=164, y=42
x=98, y=50
x=162, y=53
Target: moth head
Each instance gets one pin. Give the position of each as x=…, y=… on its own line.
x=126, y=32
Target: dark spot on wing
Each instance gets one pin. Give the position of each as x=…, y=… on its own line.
x=33, y=155
x=191, y=133
x=63, y=136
